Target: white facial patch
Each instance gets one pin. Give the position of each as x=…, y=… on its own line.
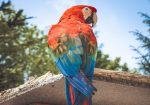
x=86, y=12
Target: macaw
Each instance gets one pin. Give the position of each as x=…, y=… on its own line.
x=73, y=47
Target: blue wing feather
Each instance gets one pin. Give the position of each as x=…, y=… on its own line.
x=69, y=64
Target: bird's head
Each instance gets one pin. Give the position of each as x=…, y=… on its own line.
x=85, y=13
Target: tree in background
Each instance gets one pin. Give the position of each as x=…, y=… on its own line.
x=103, y=61
x=144, y=49
x=22, y=48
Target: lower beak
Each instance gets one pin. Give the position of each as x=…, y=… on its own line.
x=94, y=19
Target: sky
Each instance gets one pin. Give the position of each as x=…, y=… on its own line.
x=116, y=18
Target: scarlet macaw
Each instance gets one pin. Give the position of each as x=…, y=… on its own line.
x=73, y=47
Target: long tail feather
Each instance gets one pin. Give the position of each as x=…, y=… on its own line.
x=80, y=83
x=86, y=102
x=79, y=90
x=71, y=94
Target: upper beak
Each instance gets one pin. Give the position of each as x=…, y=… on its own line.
x=94, y=19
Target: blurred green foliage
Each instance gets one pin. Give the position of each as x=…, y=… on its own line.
x=143, y=50
x=22, y=48
x=104, y=62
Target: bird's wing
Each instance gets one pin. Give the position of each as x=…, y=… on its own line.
x=74, y=48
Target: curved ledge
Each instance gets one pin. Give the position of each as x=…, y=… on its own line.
x=49, y=90
x=125, y=78
x=30, y=85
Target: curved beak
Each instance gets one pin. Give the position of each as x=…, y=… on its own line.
x=94, y=19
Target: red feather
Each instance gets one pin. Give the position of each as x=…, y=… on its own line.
x=71, y=94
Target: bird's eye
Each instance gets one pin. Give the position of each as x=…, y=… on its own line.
x=86, y=8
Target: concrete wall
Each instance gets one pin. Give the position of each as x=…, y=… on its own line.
x=53, y=93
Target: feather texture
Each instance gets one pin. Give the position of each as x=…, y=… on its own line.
x=73, y=47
